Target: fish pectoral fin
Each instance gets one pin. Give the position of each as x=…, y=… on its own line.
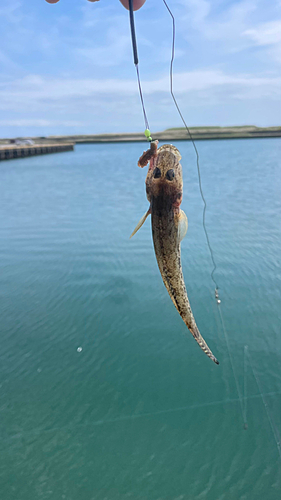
x=141, y=222
x=182, y=225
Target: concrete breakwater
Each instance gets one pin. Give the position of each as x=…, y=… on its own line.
x=60, y=143
x=176, y=134
x=10, y=151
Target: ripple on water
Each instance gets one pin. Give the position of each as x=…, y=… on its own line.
x=139, y=412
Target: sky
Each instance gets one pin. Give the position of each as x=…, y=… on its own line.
x=68, y=68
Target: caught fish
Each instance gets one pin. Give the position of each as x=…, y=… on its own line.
x=164, y=187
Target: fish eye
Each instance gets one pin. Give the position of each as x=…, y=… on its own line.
x=170, y=174
x=157, y=173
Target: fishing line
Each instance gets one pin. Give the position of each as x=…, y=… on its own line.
x=135, y=416
x=147, y=132
x=226, y=338
x=245, y=386
x=136, y=61
x=134, y=45
x=274, y=428
x=193, y=143
x=244, y=416
x=204, y=214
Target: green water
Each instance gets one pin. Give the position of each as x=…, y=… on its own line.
x=140, y=412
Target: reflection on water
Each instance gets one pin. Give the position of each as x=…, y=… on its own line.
x=104, y=393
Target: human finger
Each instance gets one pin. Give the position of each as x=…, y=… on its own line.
x=137, y=4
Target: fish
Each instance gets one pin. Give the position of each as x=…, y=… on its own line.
x=164, y=190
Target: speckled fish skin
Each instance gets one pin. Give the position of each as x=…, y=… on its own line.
x=164, y=192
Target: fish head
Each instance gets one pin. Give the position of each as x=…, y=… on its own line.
x=164, y=177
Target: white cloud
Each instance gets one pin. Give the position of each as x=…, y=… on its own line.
x=96, y=105
x=226, y=23
x=266, y=33
x=268, y=37
x=207, y=79
x=39, y=88
x=41, y=123
x=77, y=68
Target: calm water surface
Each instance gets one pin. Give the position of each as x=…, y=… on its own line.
x=140, y=412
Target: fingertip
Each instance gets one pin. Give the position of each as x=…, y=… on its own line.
x=137, y=4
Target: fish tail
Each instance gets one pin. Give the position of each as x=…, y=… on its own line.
x=201, y=342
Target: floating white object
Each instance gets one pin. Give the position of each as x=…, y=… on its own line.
x=79, y=349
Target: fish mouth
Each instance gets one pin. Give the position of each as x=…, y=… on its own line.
x=170, y=150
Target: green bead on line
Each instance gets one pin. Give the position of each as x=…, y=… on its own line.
x=147, y=134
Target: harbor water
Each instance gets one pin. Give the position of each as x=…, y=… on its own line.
x=104, y=394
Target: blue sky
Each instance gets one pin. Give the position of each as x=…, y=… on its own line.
x=67, y=68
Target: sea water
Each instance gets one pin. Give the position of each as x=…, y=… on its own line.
x=104, y=394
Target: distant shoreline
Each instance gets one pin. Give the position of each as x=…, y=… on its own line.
x=174, y=134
